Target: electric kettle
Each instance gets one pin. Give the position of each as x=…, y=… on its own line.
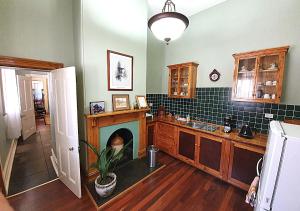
x=246, y=132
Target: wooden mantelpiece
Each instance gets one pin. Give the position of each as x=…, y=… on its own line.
x=94, y=122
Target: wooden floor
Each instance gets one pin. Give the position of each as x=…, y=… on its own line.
x=178, y=186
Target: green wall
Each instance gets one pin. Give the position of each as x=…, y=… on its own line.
x=115, y=25
x=37, y=29
x=237, y=26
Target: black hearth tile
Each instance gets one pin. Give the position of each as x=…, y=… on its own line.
x=297, y=108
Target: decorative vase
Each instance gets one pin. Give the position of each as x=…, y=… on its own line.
x=117, y=144
x=106, y=190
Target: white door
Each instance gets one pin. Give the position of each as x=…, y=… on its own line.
x=64, y=103
x=27, y=107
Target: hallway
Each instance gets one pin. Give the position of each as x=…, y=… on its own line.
x=32, y=164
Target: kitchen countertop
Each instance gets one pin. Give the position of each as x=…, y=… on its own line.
x=259, y=140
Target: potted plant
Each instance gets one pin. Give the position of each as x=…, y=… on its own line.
x=106, y=162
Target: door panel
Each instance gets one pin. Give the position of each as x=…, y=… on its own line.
x=63, y=90
x=27, y=107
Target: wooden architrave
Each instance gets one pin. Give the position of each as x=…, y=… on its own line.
x=46, y=66
x=37, y=65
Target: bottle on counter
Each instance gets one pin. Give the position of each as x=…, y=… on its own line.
x=188, y=118
x=227, y=124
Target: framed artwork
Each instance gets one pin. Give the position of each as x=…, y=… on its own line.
x=141, y=101
x=97, y=107
x=119, y=71
x=120, y=102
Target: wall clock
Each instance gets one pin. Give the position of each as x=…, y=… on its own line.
x=214, y=75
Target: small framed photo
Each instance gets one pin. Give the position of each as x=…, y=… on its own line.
x=119, y=71
x=97, y=107
x=120, y=102
x=141, y=101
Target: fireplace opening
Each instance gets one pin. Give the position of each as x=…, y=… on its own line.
x=118, y=140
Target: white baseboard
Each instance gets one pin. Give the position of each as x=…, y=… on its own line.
x=54, y=161
x=9, y=163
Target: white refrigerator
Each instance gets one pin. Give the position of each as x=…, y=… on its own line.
x=279, y=184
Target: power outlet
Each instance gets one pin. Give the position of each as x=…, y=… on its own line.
x=269, y=116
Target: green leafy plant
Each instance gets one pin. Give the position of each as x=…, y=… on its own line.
x=106, y=162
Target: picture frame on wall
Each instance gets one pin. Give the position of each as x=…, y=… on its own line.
x=120, y=102
x=97, y=107
x=119, y=71
x=141, y=101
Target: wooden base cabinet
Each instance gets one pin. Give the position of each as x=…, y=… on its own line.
x=209, y=154
x=150, y=134
x=242, y=166
x=165, y=138
x=186, y=145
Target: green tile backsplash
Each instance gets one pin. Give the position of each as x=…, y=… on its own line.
x=213, y=104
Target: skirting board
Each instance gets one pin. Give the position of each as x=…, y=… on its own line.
x=54, y=162
x=9, y=163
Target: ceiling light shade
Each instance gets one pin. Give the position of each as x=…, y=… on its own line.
x=168, y=25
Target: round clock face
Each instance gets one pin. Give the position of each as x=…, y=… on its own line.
x=214, y=75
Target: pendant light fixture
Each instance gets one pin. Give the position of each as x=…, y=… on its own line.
x=169, y=24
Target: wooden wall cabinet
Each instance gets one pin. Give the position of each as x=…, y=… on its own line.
x=209, y=154
x=182, y=80
x=242, y=165
x=165, y=138
x=186, y=145
x=258, y=75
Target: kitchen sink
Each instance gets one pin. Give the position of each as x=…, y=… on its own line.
x=202, y=126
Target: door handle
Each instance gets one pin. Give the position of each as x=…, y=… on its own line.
x=257, y=167
x=71, y=148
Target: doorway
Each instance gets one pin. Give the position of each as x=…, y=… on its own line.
x=63, y=115
x=34, y=161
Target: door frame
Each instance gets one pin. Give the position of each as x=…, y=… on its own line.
x=37, y=65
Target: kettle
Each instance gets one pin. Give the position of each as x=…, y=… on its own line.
x=246, y=132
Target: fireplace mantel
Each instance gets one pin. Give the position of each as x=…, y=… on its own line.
x=95, y=122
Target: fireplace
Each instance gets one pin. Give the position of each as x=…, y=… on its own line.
x=119, y=139
x=101, y=128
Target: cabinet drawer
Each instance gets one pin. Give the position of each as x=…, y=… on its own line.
x=166, y=131
x=166, y=145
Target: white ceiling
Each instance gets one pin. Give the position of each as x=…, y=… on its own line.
x=187, y=7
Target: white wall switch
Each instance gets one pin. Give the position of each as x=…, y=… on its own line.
x=269, y=116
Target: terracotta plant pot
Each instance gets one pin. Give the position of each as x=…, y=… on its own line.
x=106, y=190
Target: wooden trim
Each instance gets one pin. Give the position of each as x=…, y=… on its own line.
x=113, y=113
x=183, y=64
x=29, y=63
x=108, y=70
x=262, y=52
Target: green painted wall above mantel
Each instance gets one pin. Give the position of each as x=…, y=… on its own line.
x=232, y=27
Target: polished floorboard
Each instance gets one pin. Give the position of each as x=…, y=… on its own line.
x=177, y=186
x=32, y=164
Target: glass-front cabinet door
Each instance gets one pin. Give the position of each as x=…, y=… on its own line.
x=245, y=78
x=267, y=78
x=184, y=81
x=174, y=77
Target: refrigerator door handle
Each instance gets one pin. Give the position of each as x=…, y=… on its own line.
x=257, y=166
